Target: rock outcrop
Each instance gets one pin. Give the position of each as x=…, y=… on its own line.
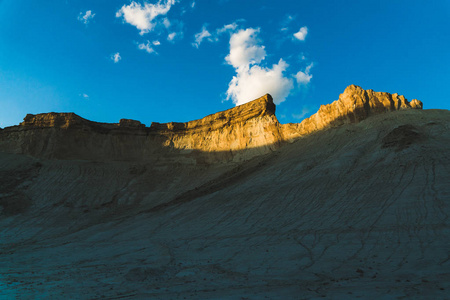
x=238, y=133
x=248, y=126
x=56, y=120
x=130, y=123
x=353, y=106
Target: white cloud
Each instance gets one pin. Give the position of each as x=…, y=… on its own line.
x=174, y=29
x=171, y=36
x=227, y=28
x=303, y=78
x=214, y=36
x=156, y=43
x=253, y=80
x=193, y=4
x=256, y=81
x=166, y=23
x=85, y=96
x=86, y=17
x=147, y=47
x=200, y=36
x=143, y=16
x=301, y=34
x=244, y=48
x=116, y=57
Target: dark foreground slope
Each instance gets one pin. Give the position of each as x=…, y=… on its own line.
x=357, y=210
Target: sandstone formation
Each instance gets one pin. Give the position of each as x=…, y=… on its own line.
x=244, y=127
x=236, y=134
x=123, y=211
x=353, y=106
x=54, y=120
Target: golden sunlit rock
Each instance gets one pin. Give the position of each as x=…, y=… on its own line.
x=225, y=135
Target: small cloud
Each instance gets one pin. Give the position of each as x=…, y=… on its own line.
x=85, y=96
x=213, y=37
x=193, y=4
x=303, y=78
x=86, y=17
x=166, y=23
x=143, y=17
x=116, y=57
x=171, y=36
x=200, y=36
x=227, y=28
x=301, y=34
x=147, y=47
x=156, y=43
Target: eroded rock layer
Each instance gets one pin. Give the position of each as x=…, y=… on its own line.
x=353, y=106
x=239, y=133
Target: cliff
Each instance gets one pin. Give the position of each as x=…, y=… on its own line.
x=248, y=126
x=353, y=106
x=239, y=133
x=73, y=121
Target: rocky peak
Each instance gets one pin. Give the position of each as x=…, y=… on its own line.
x=376, y=101
x=130, y=123
x=354, y=105
x=60, y=120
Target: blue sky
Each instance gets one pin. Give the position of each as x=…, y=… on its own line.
x=179, y=60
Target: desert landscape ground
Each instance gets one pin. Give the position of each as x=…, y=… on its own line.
x=351, y=203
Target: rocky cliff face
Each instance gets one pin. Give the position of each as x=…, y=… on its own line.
x=238, y=133
x=353, y=106
x=251, y=126
x=73, y=121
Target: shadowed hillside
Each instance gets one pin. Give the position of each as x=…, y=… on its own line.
x=351, y=203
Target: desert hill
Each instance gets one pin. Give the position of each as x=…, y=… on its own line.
x=236, y=134
x=351, y=203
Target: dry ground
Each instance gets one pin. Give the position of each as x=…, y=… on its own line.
x=359, y=211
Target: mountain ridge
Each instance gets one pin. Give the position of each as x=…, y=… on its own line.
x=220, y=136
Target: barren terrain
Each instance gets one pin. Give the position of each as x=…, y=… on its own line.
x=357, y=208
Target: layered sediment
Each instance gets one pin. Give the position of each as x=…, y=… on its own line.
x=351, y=212
x=238, y=133
x=353, y=106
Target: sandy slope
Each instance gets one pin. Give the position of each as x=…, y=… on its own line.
x=356, y=211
